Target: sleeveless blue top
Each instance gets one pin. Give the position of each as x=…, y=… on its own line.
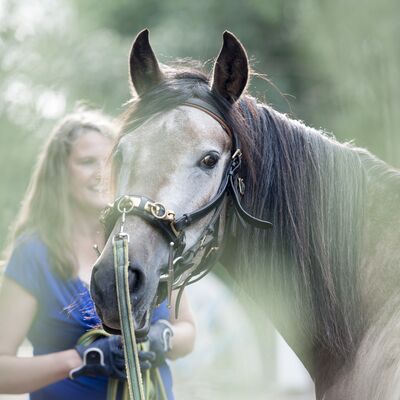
x=65, y=312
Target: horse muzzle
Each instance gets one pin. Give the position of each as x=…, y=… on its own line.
x=104, y=294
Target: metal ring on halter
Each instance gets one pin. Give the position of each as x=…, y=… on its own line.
x=155, y=208
x=177, y=259
x=165, y=277
x=124, y=207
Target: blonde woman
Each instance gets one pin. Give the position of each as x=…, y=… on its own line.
x=45, y=296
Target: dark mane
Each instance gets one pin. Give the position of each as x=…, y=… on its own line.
x=313, y=190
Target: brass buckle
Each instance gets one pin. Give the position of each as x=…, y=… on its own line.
x=155, y=209
x=159, y=211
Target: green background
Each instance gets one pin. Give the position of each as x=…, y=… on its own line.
x=333, y=64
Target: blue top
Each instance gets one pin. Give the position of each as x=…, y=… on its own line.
x=65, y=312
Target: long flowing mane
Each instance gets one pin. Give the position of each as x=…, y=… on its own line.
x=313, y=190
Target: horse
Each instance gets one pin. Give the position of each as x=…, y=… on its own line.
x=201, y=169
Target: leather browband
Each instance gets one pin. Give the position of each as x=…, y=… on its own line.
x=216, y=115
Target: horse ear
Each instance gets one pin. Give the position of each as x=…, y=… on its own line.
x=231, y=70
x=143, y=65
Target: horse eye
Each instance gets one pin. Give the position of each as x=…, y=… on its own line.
x=209, y=161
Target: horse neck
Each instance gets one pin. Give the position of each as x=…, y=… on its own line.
x=381, y=258
x=306, y=267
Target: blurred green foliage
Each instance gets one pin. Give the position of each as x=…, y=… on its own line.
x=336, y=64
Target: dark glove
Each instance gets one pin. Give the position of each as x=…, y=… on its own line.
x=159, y=336
x=104, y=357
x=146, y=359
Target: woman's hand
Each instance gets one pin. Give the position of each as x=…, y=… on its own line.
x=105, y=356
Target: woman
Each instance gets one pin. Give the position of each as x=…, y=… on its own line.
x=44, y=295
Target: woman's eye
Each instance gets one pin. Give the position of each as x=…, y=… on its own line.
x=87, y=161
x=209, y=161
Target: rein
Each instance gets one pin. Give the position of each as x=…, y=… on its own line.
x=186, y=266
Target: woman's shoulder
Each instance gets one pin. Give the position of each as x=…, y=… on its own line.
x=31, y=243
x=28, y=263
x=29, y=252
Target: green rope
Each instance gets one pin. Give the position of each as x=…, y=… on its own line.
x=121, y=264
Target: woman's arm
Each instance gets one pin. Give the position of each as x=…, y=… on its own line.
x=184, y=328
x=26, y=374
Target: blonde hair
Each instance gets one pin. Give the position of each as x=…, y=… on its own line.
x=46, y=208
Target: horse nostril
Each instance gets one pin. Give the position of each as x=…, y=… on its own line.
x=136, y=282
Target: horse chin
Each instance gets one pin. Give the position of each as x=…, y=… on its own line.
x=111, y=331
x=142, y=329
x=114, y=327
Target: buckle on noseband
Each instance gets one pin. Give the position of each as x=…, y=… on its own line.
x=159, y=211
x=154, y=212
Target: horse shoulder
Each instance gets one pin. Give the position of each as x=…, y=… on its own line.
x=374, y=372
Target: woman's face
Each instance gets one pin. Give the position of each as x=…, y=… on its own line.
x=87, y=163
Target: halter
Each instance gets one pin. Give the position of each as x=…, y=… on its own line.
x=188, y=266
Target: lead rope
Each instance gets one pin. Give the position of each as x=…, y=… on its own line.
x=134, y=376
x=121, y=265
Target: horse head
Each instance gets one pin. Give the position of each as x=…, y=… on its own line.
x=173, y=165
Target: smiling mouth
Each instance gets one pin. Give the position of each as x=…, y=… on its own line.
x=97, y=189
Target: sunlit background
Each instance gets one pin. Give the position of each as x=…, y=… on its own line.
x=333, y=64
